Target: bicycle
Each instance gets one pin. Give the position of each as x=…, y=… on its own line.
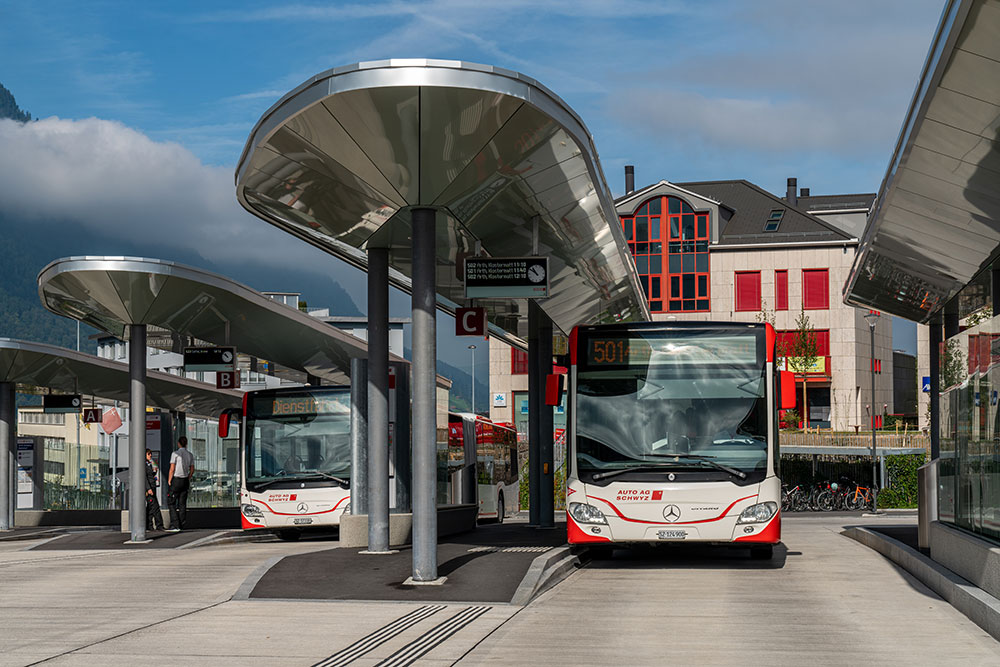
x=860, y=498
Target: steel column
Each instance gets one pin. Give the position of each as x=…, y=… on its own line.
x=137, y=432
x=378, y=400
x=871, y=328
x=424, y=398
x=401, y=436
x=534, y=414
x=8, y=461
x=934, y=370
x=546, y=472
x=359, y=436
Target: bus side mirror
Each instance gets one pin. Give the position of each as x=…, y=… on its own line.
x=224, y=418
x=786, y=389
x=553, y=389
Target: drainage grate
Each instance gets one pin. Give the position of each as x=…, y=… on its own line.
x=509, y=550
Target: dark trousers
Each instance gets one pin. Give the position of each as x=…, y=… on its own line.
x=177, y=500
x=154, y=517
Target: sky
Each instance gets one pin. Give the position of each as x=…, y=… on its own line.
x=145, y=107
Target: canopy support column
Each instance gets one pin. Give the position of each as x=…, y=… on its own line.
x=535, y=315
x=546, y=472
x=378, y=400
x=424, y=399
x=8, y=461
x=137, y=432
x=935, y=388
x=359, y=436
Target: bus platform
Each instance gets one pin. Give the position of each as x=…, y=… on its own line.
x=484, y=565
x=100, y=540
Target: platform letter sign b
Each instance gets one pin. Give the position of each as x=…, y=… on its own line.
x=227, y=380
x=470, y=322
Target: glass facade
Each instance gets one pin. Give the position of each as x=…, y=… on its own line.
x=969, y=373
x=669, y=242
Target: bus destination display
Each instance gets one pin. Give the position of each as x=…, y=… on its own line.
x=618, y=352
x=292, y=406
x=607, y=351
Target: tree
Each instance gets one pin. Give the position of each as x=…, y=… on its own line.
x=802, y=354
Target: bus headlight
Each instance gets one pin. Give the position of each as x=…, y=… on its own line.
x=583, y=513
x=758, y=513
x=251, y=510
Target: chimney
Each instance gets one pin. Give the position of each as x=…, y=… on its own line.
x=792, y=189
x=629, y=179
x=804, y=192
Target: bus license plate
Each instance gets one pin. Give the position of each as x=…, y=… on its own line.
x=302, y=520
x=671, y=534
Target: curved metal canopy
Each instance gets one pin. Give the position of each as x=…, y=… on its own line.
x=341, y=160
x=110, y=293
x=71, y=372
x=936, y=221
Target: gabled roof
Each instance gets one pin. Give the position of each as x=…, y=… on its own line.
x=632, y=200
x=751, y=206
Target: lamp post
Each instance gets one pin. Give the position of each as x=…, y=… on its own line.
x=473, y=348
x=872, y=318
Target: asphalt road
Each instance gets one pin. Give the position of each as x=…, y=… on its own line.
x=823, y=600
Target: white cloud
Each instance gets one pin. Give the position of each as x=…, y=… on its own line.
x=101, y=176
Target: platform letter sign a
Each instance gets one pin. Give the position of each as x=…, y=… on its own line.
x=227, y=380
x=92, y=416
x=470, y=322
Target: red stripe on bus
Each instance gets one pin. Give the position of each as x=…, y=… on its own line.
x=572, y=346
x=770, y=535
x=261, y=502
x=769, y=337
x=674, y=523
x=576, y=535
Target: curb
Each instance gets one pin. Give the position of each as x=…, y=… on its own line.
x=546, y=570
x=979, y=606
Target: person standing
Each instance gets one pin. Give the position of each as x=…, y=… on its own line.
x=179, y=482
x=154, y=517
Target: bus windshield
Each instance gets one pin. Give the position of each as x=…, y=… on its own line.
x=297, y=435
x=671, y=399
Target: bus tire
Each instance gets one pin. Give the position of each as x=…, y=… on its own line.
x=288, y=535
x=762, y=552
x=500, y=508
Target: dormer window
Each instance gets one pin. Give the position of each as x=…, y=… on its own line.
x=774, y=220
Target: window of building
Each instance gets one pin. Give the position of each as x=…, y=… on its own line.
x=45, y=418
x=669, y=242
x=55, y=444
x=781, y=290
x=748, y=290
x=518, y=362
x=55, y=468
x=774, y=220
x=815, y=289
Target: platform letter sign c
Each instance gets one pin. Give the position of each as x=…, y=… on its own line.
x=470, y=322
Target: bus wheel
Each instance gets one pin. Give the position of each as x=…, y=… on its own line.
x=762, y=552
x=289, y=535
x=500, y=508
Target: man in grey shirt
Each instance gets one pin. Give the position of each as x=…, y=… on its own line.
x=179, y=482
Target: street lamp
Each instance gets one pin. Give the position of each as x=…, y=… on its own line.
x=872, y=319
x=473, y=348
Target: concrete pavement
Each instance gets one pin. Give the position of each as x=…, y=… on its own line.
x=824, y=600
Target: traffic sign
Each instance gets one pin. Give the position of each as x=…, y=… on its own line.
x=470, y=321
x=65, y=403
x=209, y=359
x=83, y=473
x=507, y=277
x=227, y=380
x=926, y=384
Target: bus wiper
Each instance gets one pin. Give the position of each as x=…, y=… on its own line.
x=706, y=459
x=343, y=482
x=621, y=471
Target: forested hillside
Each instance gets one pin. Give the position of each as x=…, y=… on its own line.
x=9, y=108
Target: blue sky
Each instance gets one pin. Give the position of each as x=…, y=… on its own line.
x=692, y=90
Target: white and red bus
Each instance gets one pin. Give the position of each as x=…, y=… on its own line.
x=673, y=435
x=497, y=481
x=295, y=453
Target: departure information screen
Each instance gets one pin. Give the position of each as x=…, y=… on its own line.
x=301, y=405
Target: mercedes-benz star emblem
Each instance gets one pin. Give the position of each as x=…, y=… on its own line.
x=671, y=513
x=302, y=508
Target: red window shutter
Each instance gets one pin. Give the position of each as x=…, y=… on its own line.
x=748, y=290
x=823, y=343
x=518, y=362
x=781, y=290
x=815, y=289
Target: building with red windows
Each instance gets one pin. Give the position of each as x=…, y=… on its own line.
x=731, y=251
